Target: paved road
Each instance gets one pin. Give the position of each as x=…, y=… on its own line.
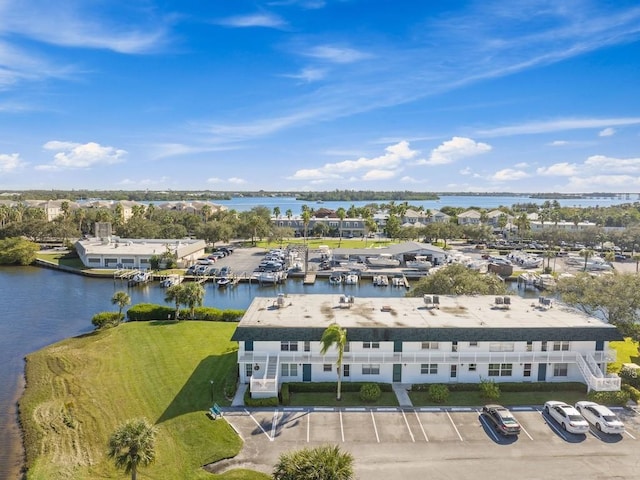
x=448, y=444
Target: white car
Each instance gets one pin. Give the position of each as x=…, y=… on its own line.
x=600, y=416
x=567, y=416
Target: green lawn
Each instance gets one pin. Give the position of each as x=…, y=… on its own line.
x=506, y=398
x=80, y=389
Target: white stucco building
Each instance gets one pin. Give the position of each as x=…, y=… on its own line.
x=436, y=339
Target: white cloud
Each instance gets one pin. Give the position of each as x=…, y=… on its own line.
x=613, y=183
x=267, y=20
x=75, y=155
x=508, y=174
x=607, y=132
x=408, y=179
x=10, y=162
x=384, y=166
x=455, y=149
x=236, y=180
x=563, y=169
x=214, y=180
x=558, y=143
x=333, y=54
x=557, y=126
x=308, y=75
x=606, y=164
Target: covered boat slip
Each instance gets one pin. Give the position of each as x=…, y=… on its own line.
x=412, y=340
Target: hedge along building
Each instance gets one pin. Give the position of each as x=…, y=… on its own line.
x=435, y=339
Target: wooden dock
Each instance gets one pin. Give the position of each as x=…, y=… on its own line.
x=309, y=278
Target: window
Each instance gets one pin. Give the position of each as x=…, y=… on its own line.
x=371, y=369
x=454, y=371
x=307, y=346
x=500, y=369
x=473, y=344
x=248, y=369
x=370, y=344
x=346, y=370
x=560, y=369
x=289, y=369
x=429, y=369
x=289, y=346
x=429, y=345
x=454, y=346
x=560, y=346
x=501, y=347
x=128, y=261
x=543, y=347
x=93, y=260
x=529, y=346
x=472, y=367
x=347, y=347
x=527, y=370
x=327, y=367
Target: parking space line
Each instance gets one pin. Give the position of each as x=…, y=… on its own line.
x=488, y=426
x=375, y=428
x=413, y=439
x=454, y=426
x=421, y=427
x=526, y=433
x=551, y=423
x=341, y=427
x=258, y=423
x=629, y=434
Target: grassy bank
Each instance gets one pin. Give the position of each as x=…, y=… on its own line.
x=80, y=389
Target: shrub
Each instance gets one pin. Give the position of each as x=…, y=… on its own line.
x=285, y=396
x=106, y=320
x=259, y=402
x=148, y=311
x=311, y=387
x=634, y=393
x=370, y=392
x=610, y=398
x=630, y=376
x=231, y=383
x=438, y=393
x=489, y=390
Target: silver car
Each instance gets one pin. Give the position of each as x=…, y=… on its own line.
x=601, y=417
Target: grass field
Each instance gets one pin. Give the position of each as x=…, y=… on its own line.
x=81, y=389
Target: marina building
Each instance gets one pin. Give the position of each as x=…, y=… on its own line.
x=434, y=339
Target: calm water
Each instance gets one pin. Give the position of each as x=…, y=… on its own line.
x=242, y=204
x=43, y=306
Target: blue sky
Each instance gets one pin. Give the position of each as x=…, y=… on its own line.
x=522, y=96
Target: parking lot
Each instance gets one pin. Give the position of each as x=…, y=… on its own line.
x=402, y=425
x=437, y=443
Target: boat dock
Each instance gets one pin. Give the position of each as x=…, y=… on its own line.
x=309, y=278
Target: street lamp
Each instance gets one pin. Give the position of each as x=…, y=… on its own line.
x=211, y=382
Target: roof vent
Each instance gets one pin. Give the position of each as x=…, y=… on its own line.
x=427, y=299
x=499, y=300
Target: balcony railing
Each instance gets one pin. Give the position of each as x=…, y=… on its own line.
x=432, y=356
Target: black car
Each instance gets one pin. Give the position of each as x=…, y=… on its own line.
x=502, y=419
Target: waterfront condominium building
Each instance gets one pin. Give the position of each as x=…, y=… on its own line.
x=431, y=339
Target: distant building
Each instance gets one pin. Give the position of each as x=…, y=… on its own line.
x=114, y=252
x=435, y=339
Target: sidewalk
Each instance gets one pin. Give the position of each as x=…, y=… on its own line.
x=238, y=399
x=401, y=391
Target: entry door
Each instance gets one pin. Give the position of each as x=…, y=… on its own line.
x=397, y=372
x=306, y=372
x=542, y=372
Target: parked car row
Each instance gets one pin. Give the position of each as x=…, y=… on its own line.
x=576, y=419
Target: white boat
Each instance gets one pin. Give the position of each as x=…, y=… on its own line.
x=381, y=281
x=335, y=279
x=170, y=281
x=351, y=279
x=139, y=277
x=419, y=263
x=528, y=280
x=546, y=281
x=399, y=281
x=383, y=260
x=270, y=277
x=223, y=281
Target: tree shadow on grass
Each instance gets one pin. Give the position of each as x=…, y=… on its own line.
x=198, y=394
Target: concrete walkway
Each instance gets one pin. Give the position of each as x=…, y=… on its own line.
x=238, y=399
x=401, y=391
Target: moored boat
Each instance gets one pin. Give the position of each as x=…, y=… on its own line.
x=383, y=260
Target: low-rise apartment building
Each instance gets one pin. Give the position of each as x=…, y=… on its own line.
x=435, y=339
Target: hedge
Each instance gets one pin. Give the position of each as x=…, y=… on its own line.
x=259, y=402
x=309, y=387
x=510, y=387
x=610, y=398
x=148, y=311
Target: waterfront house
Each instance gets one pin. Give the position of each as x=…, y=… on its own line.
x=434, y=339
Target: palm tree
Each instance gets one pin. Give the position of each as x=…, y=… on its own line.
x=174, y=294
x=193, y=295
x=122, y=299
x=326, y=462
x=306, y=218
x=341, y=213
x=276, y=212
x=586, y=253
x=132, y=445
x=636, y=258
x=335, y=336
